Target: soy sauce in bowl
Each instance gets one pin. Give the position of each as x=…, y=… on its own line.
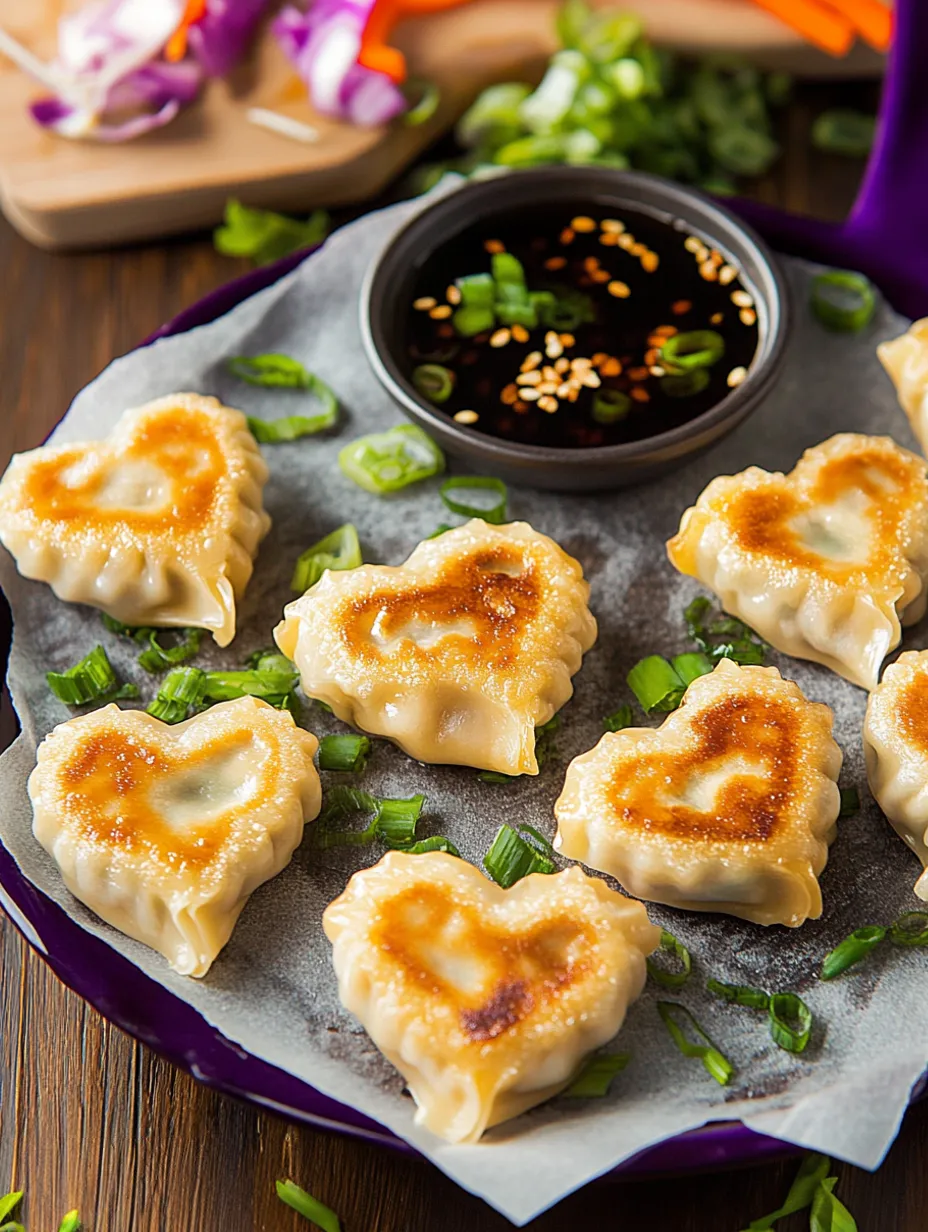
x=609, y=327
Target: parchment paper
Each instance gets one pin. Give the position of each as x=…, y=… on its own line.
x=273, y=990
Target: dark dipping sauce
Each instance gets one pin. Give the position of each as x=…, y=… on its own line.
x=647, y=279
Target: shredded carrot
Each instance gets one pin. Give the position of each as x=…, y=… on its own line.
x=872, y=20
x=376, y=53
x=815, y=22
x=176, y=47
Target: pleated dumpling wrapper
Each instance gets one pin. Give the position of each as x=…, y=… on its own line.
x=165, y=831
x=824, y=562
x=906, y=360
x=158, y=524
x=730, y=805
x=486, y=1000
x=896, y=749
x=458, y=654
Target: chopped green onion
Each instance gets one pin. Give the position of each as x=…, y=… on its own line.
x=338, y=550
x=790, y=1021
x=656, y=684
x=277, y=431
x=341, y=802
x=477, y=290
x=622, y=718
x=346, y=754
x=182, y=688
x=610, y=405
x=156, y=658
x=138, y=633
x=496, y=776
x=397, y=820
x=690, y=667
x=388, y=461
x=225, y=686
x=544, y=740
x=91, y=680
x=9, y=1202
x=671, y=979
x=843, y=131
x=828, y=1213
x=495, y=514
x=685, y=384
x=740, y=994
x=851, y=950
x=440, y=530
x=511, y=857
x=507, y=268
x=811, y=1174
x=843, y=300
x=265, y=236
x=266, y=370
x=267, y=658
x=850, y=802
x=714, y=1061
x=695, y=617
x=595, y=1078
x=70, y=1223
x=427, y=105
x=308, y=1206
x=700, y=348
x=394, y=821
x=471, y=319
x=746, y=650
x=910, y=929
x=271, y=371
x=434, y=382
x=435, y=843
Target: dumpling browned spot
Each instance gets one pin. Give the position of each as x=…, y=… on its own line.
x=458, y=654
x=827, y=562
x=906, y=360
x=486, y=1000
x=729, y=806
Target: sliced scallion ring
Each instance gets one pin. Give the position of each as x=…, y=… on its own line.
x=434, y=382
x=671, y=979
x=494, y=514
x=308, y=1206
x=852, y=950
x=157, y=657
x=435, y=843
x=685, y=384
x=675, y=1018
x=790, y=1021
x=477, y=290
x=843, y=300
x=511, y=857
x=397, y=820
x=699, y=348
x=656, y=684
x=90, y=680
x=622, y=718
x=471, y=319
x=225, y=686
x=271, y=371
x=595, y=1078
x=507, y=269
x=338, y=550
x=425, y=108
x=181, y=689
x=345, y=754
x=610, y=406
x=691, y=666
x=740, y=994
x=389, y=461
x=392, y=820
x=910, y=929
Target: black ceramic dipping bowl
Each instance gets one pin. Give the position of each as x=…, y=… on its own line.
x=391, y=286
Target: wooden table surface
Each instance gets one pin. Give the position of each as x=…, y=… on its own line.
x=88, y=1117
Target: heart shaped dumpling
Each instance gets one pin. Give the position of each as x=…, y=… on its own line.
x=906, y=361
x=823, y=562
x=729, y=806
x=485, y=1000
x=896, y=749
x=165, y=831
x=458, y=654
x=157, y=525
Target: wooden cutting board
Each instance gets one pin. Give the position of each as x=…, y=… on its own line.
x=65, y=194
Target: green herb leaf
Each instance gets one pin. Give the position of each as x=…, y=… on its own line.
x=595, y=1078
x=852, y=950
x=910, y=929
x=396, y=820
x=91, y=680
x=265, y=236
x=740, y=994
x=425, y=108
x=225, y=686
x=828, y=1213
x=843, y=301
x=674, y=1017
x=691, y=666
x=434, y=843
x=622, y=718
x=388, y=461
x=790, y=1021
x=9, y=1202
x=512, y=856
x=181, y=689
x=345, y=754
x=671, y=979
x=308, y=1206
x=70, y=1223
x=545, y=746
x=270, y=371
x=850, y=802
x=339, y=550
x=392, y=820
x=656, y=684
x=157, y=657
x=495, y=514
x=844, y=131
x=700, y=348
x=812, y=1172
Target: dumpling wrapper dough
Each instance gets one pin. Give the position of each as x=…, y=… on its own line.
x=158, y=524
x=163, y=831
x=730, y=805
x=906, y=360
x=486, y=1000
x=896, y=750
x=824, y=562
x=458, y=654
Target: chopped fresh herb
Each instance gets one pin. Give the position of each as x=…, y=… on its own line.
x=91, y=680
x=394, y=821
x=344, y=753
x=270, y=371
x=656, y=684
x=495, y=513
x=790, y=1021
x=610, y=405
x=308, y=1206
x=661, y=975
x=843, y=301
x=691, y=666
x=740, y=994
x=266, y=657
x=397, y=820
x=388, y=461
x=685, y=384
x=843, y=131
x=282, y=372
x=265, y=236
x=723, y=638
x=9, y=1202
x=595, y=1078
x=434, y=843
x=339, y=550
x=700, y=348
x=515, y=854
x=852, y=950
x=622, y=718
x=675, y=1017
x=181, y=689
x=223, y=686
x=135, y=632
x=427, y=105
x=70, y=1223
x=812, y=1172
x=910, y=929
x=850, y=802
x=828, y=1213
x=156, y=658
x=434, y=382
x=440, y=530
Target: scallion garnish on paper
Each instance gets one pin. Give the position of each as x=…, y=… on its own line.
x=339, y=550
x=274, y=371
x=344, y=753
x=674, y=948
x=182, y=689
x=515, y=853
x=595, y=1078
x=494, y=513
x=392, y=820
x=265, y=236
x=852, y=950
x=677, y=1019
x=389, y=461
x=91, y=680
x=740, y=994
x=843, y=301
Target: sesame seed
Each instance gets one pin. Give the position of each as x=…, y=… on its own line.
x=582, y=223
x=716, y=258
x=736, y=376
x=441, y=313
x=494, y=246
x=727, y=274
x=638, y=374
x=530, y=395
x=520, y=407
x=554, y=349
x=692, y=243
x=657, y=370
x=652, y=356
x=747, y=316
x=563, y=391
x=548, y=387
x=621, y=290
x=600, y=275
x=500, y=338
x=549, y=372
x=590, y=263
x=555, y=263
x=567, y=236
x=466, y=417
x=626, y=241
x=717, y=318
x=529, y=378
x=612, y=225
x=424, y=303
x=520, y=333
x=563, y=363
x=638, y=249
x=639, y=394
x=574, y=393
x=609, y=239
x=453, y=294
x=548, y=404
x=590, y=379
x=580, y=363
x=650, y=261
x=681, y=307
x=599, y=358
x=532, y=360
x=741, y=299
x=509, y=395
x=708, y=271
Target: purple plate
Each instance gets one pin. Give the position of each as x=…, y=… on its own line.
x=886, y=237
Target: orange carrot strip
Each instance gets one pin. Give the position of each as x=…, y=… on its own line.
x=176, y=47
x=821, y=26
x=376, y=53
x=873, y=20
